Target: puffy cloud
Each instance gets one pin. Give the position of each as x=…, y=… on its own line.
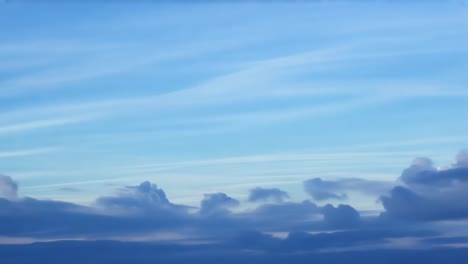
x=261, y=195
x=145, y=210
x=320, y=189
x=436, y=178
x=430, y=194
x=422, y=172
x=8, y=188
x=133, y=210
x=145, y=197
x=217, y=203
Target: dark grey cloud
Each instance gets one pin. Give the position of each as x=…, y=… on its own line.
x=263, y=195
x=320, y=189
x=8, y=187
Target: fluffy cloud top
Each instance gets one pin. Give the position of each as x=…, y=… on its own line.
x=430, y=194
x=216, y=203
x=144, y=197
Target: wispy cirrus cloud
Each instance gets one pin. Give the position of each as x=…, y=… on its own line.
x=27, y=152
x=40, y=124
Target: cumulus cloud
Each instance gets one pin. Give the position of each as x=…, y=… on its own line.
x=422, y=172
x=217, y=203
x=426, y=194
x=146, y=197
x=145, y=209
x=262, y=194
x=320, y=189
x=430, y=194
x=133, y=210
x=436, y=178
x=408, y=204
x=8, y=188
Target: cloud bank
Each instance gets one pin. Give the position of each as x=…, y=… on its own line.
x=413, y=209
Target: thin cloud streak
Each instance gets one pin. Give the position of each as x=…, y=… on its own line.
x=271, y=158
x=28, y=152
x=40, y=124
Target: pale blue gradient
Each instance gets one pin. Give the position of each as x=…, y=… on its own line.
x=206, y=98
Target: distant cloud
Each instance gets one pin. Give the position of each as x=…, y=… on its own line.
x=326, y=190
x=430, y=194
x=217, y=203
x=323, y=190
x=273, y=194
x=424, y=195
x=144, y=198
x=421, y=172
x=8, y=188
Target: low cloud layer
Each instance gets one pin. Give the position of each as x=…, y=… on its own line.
x=423, y=196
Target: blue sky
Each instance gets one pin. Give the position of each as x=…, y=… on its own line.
x=206, y=98
x=254, y=132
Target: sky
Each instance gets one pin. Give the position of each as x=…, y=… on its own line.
x=218, y=116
